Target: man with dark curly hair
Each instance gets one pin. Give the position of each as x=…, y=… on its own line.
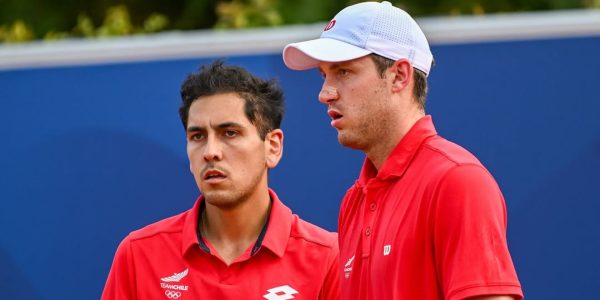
x=238, y=241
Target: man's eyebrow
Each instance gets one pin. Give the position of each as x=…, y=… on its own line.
x=194, y=129
x=228, y=124
x=218, y=126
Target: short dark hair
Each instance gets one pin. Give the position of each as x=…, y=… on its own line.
x=264, y=104
x=420, y=90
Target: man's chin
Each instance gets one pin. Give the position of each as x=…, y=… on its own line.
x=221, y=199
x=348, y=142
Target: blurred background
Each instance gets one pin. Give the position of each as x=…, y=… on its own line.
x=23, y=20
x=92, y=146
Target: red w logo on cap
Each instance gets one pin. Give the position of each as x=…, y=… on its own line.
x=330, y=25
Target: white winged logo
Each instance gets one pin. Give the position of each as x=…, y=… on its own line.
x=349, y=262
x=348, y=267
x=175, y=277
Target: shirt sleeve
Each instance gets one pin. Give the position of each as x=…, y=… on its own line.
x=470, y=245
x=121, y=278
x=331, y=285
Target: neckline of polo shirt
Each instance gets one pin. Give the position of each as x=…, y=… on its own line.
x=261, y=236
x=201, y=242
x=204, y=246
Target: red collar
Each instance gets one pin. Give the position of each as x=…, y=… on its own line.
x=277, y=233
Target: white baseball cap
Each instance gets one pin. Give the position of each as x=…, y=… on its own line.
x=362, y=29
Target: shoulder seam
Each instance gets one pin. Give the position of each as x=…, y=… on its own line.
x=445, y=155
x=312, y=241
x=150, y=235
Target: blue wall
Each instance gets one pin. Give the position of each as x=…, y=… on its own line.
x=90, y=153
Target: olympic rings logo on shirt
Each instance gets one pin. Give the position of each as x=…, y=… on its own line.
x=172, y=294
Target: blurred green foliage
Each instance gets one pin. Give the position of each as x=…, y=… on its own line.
x=18, y=31
x=244, y=14
x=23, y=20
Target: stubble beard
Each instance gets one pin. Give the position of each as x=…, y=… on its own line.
x=232, y=196
x=370, y=130
x=350, y=140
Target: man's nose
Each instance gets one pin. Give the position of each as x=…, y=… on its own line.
x=212, y=150
x=328, y=94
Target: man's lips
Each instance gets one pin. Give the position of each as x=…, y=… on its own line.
x=334, y=114
x=213, y=175
x=336, y=117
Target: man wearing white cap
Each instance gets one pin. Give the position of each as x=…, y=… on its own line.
x=425, y=220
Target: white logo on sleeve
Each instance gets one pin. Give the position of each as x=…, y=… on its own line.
x=283, y=292
x=348, y=267
x=387, y=249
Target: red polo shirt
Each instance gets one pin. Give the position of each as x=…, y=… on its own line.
x=430, y=225
x=292, y=259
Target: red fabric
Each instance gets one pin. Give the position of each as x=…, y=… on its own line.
x=294, y=253
x=430, y=225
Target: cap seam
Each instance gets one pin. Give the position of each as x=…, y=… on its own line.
x=380, y=8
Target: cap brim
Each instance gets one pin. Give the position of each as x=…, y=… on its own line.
x=307, y=55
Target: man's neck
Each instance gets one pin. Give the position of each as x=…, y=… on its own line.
x=380, y=151
x=232, y=231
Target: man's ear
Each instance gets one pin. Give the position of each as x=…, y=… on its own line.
x=401, y=74
x=273, y=147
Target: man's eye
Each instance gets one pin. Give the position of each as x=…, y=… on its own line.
x=343, y=72
x=196, y=137
x=230, y=133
